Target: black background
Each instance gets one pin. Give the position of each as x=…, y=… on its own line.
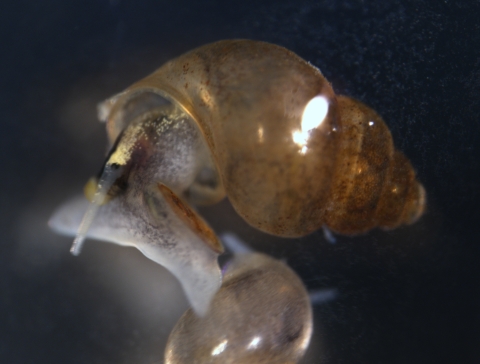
x=405, y=296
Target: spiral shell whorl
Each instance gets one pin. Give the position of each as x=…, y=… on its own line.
x=247, y=99
x=374, y=184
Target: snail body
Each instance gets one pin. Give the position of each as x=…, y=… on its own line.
x=252, y=121
x=150, y=216
x=261, y=314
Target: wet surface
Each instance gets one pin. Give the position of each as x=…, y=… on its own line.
x=407, y=295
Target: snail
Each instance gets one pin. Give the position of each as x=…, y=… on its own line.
x=261, y=314
x=252, y=121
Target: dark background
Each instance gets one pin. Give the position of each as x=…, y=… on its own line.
x=405, y=296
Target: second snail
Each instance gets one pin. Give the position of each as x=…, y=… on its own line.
x=251, y=121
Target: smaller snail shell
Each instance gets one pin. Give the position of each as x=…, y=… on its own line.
x=261, y=314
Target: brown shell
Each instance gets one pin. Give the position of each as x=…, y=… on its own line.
x=374, y=184
x=248, y=98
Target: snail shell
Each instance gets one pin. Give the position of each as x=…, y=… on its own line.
x=261, y=314
x=283, y=174
x=250, y=120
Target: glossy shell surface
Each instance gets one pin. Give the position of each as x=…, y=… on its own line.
x=261, y=314
x=249, y=100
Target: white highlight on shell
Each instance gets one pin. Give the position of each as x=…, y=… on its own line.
x=219, y=348
x=260, y=134
x=314, y=113
x=254, y=343
x=313, y=116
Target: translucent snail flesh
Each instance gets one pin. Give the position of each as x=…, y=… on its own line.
x=253, y=121
x=261, y=314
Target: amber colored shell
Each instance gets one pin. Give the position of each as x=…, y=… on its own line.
x=248, y=99
x=374, y=184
